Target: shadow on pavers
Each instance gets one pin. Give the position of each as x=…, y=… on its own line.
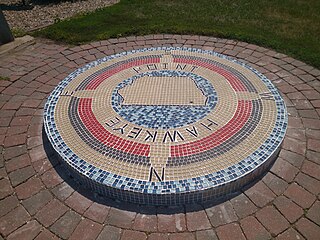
x=133, y=207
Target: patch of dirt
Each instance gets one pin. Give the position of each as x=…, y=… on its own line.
x=36, y=14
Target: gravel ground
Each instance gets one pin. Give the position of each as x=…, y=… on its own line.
x=35, y=16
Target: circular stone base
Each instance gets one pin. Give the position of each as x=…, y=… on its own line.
x=166, y=126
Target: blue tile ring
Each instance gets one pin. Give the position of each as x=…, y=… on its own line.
x=160, y=116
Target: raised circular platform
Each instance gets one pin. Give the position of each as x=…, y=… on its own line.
x=166, y=126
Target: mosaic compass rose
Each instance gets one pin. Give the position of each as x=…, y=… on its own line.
x=166, y=125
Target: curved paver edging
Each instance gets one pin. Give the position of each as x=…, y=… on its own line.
x=37, y=203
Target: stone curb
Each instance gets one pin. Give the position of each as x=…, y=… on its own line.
x=17, y=45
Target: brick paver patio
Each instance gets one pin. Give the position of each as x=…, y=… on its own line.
x=39, y=201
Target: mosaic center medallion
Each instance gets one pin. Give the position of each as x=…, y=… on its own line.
x=166, y=125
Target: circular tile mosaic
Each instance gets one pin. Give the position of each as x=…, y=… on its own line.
x=166, y=126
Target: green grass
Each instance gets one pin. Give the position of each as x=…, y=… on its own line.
x=4, y=78
x=288, y=26
x=17, y=32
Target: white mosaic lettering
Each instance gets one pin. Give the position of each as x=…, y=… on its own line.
x=208, y=125
x=137, y=69
x=67, y=93
x=153, y=171
x=266, y=96
x=193, y=68
x=165, y=65
x=121, y=129
x=152, y=67
x=113, y=122
x=151, y=136
x=179, y=66
x=134, y=133
x=193, y=131
x=172, y=137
